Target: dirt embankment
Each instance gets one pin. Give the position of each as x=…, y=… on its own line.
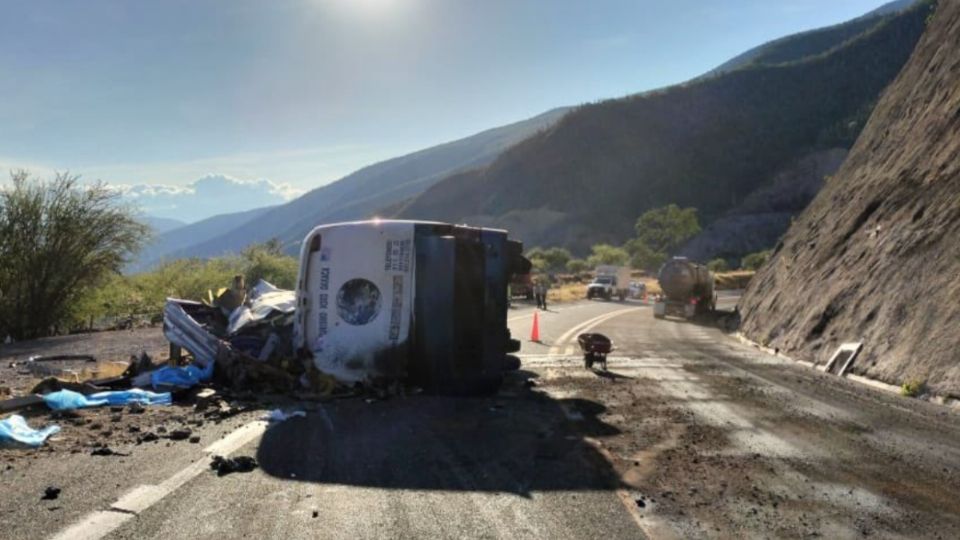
x=876, y=256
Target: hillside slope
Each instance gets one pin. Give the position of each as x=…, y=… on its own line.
x=813, y=42
x=761, y=219
x=707, y=144
x=160, y=225
x=165, y=243
x=876, y=256
x=364, y=192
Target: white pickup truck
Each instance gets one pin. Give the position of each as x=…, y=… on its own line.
x=610, y=281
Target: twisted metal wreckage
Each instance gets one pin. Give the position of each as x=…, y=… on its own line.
x=377, y=302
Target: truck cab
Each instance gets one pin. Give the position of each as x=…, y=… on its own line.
x=610, y=281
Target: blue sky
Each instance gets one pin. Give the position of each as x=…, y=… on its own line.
x=301, y=92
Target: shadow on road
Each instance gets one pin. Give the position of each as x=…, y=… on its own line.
x=612, y=375
x=726, y=320
x=519, y=441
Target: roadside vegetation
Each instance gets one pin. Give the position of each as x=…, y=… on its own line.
x=754, y=261
x=659, y=234
x=913, y=389
x=64, y=245
x=124, y=299
x=60, y=240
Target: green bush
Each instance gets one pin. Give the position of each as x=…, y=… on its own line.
x=577, y=266
x=754, y=261
x=603, y=254
x=144, y=294
x=59, y=241
x=553, y=259
x=665, y=229
x=912, y=388
x=641, y=256
x=718, y=265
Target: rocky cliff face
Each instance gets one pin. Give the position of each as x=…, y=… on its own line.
x=876, y=257
x=765, y=215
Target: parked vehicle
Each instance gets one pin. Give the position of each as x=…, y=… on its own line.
x=610, y=281
x=521, y=286
x=688, y=289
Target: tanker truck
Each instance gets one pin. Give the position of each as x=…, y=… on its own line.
x=687, y=289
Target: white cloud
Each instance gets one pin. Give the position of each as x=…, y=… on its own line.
x=208, y=196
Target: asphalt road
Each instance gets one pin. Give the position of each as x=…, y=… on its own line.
x=689, y=434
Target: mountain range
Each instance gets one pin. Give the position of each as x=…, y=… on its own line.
x=359, y=195
x=576, y=176
x=708, y=144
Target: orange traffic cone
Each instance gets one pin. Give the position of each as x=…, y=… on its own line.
x=535, y=331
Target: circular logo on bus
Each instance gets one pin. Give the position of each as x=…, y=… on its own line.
x=358, y=302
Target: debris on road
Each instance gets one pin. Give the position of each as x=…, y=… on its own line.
x=21, y=402
x=225, y=466
x=279, y=415
x=176, y=377
x=51, y=493
x=106, y=451
x=148, y=437
x=43, y=366
x=14, y=430
x=68, y=399
x=180, y=434
x=266, y=302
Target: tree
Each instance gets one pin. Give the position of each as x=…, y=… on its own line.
x=754, y=261
x=267, y=261
x=607, y=254
x=641, y=256
x=58, y=240
x=551, y=259
x=557, y=258
x=577, y=266
x=663, y=230
x=718, y=265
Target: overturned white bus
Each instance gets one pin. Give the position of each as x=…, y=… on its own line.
x=420, y=301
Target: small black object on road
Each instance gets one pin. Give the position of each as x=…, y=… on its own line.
x=225, y=466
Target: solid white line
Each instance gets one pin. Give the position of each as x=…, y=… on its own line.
x=586, y=325
x=99, y=523
x=238, y=438
x=94, y=525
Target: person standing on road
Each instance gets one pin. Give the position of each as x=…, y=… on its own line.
x=538, y=293
x=544, y=289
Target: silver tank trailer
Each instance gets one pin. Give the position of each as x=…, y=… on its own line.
x=685, y=283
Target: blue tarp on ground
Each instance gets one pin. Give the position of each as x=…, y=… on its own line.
x=14, y=429
x=180, y=377
x=68, y=399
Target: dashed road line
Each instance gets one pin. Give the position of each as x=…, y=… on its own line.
x=100, y=523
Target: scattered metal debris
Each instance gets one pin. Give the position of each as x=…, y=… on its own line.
x=225, y=466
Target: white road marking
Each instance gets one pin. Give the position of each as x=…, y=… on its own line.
x=94, y=525
x=584, y=326
x=100, y=523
